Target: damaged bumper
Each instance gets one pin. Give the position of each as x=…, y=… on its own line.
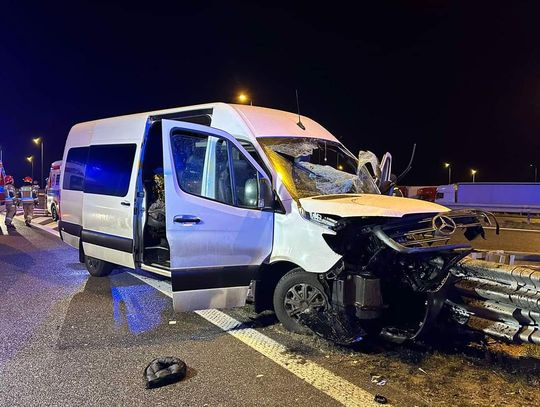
x=392, y=273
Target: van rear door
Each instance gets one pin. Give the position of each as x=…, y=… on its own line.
x=217, y=232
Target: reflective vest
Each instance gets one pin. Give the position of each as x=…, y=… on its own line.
x=11, y=192
x=27, y=193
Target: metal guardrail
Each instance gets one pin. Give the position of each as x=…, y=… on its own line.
x=501, y=300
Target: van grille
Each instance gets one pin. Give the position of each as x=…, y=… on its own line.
x=424, y=230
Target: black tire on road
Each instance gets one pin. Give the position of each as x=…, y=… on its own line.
x=97, y=267
x=54, y=213
x=301, y=289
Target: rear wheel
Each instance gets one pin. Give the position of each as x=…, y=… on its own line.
x=97, y=267
x=296, y=292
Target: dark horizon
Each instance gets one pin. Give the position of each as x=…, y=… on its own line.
x=460, y=80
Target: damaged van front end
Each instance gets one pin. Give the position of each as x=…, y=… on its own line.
x=393, y=270
x=394, y=254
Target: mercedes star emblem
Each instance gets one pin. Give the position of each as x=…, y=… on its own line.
x=445, y=225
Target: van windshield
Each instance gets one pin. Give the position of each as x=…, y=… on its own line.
x=310, y=167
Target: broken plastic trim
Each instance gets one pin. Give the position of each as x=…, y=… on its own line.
x=333, y=325
x=391, y=243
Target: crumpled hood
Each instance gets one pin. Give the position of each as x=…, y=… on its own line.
x=351, y=205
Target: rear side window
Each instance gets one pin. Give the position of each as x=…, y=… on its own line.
x=75, y=168
x=108, y=170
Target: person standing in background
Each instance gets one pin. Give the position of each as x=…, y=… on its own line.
x=11, y=201
x=28, y=198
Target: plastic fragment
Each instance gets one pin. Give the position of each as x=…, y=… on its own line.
x=378, y=380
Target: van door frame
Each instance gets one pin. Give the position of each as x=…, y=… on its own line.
x=140, y=208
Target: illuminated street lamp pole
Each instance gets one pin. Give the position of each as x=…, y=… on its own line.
x=30, y=159
x=535, y=172
x=449, y=166
x=473, y=173
x=39, y=140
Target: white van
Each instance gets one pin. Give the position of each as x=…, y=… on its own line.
x=220, y=196
x=52, y=190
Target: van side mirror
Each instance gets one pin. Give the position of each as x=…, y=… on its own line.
x=266, y=194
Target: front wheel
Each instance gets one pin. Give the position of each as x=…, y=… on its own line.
x=296, y=292
x=97, y=267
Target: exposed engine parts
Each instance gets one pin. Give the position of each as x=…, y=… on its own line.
x=391, y=273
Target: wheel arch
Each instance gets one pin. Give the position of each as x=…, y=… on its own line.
x=267, y=279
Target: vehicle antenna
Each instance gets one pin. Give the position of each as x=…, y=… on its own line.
x=300, y=124
x=408, y=166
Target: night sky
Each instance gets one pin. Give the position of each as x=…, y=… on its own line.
x=460, y=80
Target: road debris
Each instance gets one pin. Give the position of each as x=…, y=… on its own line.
x=380, y=399
x=332, y=325
x=164, y=371
x=378, y=380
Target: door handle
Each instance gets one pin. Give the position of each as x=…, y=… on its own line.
x=125, y=203
x=186, y=219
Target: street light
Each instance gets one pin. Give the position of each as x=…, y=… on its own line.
x=473, y=173
x=244, y=98
x=39, y=140
x=535, y=172
x=449, y=166
x=30, y=159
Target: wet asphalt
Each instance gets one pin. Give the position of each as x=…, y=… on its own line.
x=67, y=338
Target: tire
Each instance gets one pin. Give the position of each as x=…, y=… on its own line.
x=54, y=213
x=97, y=267
x=289, y=293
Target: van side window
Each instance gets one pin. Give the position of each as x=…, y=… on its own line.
x=245, y=180
x=75, y=168
x=255, y=155
x=222, y=187
x=203, y=168
x=189, y=154
x=108, y=170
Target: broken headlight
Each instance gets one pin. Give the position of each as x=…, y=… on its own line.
x=319, y=219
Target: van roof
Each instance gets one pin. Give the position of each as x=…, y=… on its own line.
x=240, y=120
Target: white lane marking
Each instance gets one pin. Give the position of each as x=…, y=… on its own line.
x=48, y=227
x=322, y=379
x=513, y=229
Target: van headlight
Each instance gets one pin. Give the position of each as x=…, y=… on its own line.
x=319, y=219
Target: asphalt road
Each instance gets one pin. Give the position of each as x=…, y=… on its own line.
x=67, y=338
